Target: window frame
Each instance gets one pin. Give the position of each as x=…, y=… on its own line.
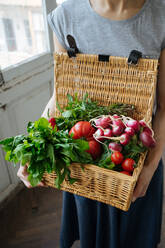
x=18, y=70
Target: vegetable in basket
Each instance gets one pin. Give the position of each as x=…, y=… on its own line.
x=85, y=109
x=49, y=146
x=127, y=140
x=46, y=150
x=83, y=129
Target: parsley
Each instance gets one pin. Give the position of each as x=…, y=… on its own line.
x=46, y=150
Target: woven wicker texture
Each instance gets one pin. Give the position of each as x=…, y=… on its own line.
x=105, y=82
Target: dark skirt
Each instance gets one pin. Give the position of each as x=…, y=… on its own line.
x=99, y=225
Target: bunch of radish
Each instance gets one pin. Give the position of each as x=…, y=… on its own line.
x=122, y=128
x=120, y=131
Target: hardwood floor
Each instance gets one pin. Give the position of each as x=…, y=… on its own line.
x=29, y=226
x=23, y=225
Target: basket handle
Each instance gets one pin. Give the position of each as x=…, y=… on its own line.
x=73, y=47
x=134, y=57
x=73, y=50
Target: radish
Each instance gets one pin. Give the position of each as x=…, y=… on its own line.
x=115, y=147
x=116, y=116
x=107, y=132
x=103, y=122
x=147, y=139
x=130, y=131
x=142, y=123
x=99, y=133
x=98, y=122
x=117, y=130
x=117, y=127
x=124, y=139
x=134, y=124
x=148, y=130
x=52, y=122
x=118, y=123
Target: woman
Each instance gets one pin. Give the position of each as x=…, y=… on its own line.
x=115, y=27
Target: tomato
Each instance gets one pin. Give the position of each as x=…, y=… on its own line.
x=126, y=172
x=82, y=129
x=94, y=149
x=117, y=157
x=128, y=164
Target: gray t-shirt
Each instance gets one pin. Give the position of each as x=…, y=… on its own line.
x=95, y=34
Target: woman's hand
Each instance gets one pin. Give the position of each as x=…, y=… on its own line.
x=143, y=182
x=23, y=175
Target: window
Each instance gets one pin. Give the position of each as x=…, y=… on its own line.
x=23, y=32
x=27, y=32
x=9, y=34
x=39, y=30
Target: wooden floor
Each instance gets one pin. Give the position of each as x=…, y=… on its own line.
x=29, y=227
x=22, y=225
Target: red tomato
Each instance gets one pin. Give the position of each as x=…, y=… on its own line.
x=117, y=157
x=82, y=129
x=126, y=172
x=128, y=164
x=94, y=149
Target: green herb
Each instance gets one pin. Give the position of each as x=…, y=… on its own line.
x=133, y=149
x=46, y=150
x=105, y=160
x=86, y=109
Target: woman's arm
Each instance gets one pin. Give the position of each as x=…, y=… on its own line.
x=22, y=172
x=154, y=155
x=50, y=105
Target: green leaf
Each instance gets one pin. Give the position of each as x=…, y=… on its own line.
x=85, y=97
x=69, y=153
x=18, y=140
x=19, y=151
x=65, y=146
x=67, y=113
x=30, y=126
x=41, y=157
x=7, y=141
x=48, y=167
x=50, y=153
x=41, y=124
x=7, y=156
x=70, y=98
x=110, y=166
x=84, y=158
x=60, y=178
x=33, y=181
x=83, y=145
x=58, y=107
x=71, y=180
x=26, y=157
x=67, y=161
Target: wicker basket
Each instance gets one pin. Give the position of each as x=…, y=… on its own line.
x=106, y=82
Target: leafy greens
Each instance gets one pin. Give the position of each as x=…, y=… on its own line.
x=46, y=150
